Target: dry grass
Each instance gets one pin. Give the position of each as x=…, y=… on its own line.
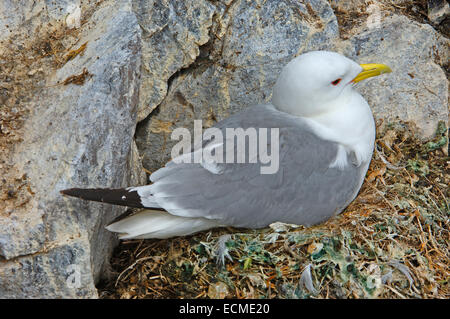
x=391, y=242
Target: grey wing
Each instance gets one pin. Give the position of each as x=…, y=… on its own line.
x=304, y=190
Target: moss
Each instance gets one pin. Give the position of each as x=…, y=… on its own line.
x=419, y=166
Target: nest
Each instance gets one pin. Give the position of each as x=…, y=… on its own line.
x=391, y=242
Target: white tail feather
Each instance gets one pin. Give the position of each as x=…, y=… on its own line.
x=158, y=224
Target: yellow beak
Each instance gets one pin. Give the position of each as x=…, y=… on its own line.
x=371, y=69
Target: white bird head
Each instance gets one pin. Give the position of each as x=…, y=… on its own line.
x=319, y=81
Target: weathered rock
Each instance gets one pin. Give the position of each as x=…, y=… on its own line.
x=14, y=14
x=58, y=10
x=76, y=135
x=438, y=10
x=417, y=88
x=23, y=14
x=61, y=272
x=172, y=33
x=250, y=43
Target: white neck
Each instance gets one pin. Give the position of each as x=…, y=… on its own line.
x=349, y=123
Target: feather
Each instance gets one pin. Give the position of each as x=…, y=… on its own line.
x=158, y=224
x=131, y=197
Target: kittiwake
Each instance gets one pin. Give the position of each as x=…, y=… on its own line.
x=326, y=135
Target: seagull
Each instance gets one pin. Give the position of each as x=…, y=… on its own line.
x=326, y=135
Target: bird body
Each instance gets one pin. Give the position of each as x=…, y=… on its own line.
x=325, y=137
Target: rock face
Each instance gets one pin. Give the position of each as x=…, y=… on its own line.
x=166, y=62
x=417, y=88
x=172, y=32
x=237, y=67
x=14, y=13
x=438, y=10
x=76, y=135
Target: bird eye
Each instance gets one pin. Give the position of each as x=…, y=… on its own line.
x=336, y=82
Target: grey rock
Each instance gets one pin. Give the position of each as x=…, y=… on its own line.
x=417, y=88
x=438, y=10
x=21, y=15
x=172, y=33
x=77, y=135
x=58, y=10
x=237, y=67
x=62, y=272
x=14, y=13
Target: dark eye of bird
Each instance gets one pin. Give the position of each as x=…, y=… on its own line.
x=336, y=82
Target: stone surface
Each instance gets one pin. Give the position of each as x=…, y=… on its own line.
x=21, y=14
x=61, y=272
x=14, y=13
x=76, y=135
x=417, y=88
x=237, y=67
x=172, y=33
x=438, y=10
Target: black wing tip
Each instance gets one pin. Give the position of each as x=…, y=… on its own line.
x=76, y=192
x=69, y=191
x=119, y=196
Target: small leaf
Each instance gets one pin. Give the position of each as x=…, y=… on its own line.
x=247, y=263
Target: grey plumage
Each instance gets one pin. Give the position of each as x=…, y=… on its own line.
x=305, y=190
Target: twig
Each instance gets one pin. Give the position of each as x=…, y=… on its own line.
x=395, y=291
x=382, y=196
x=131, y=267
x=385, y=161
